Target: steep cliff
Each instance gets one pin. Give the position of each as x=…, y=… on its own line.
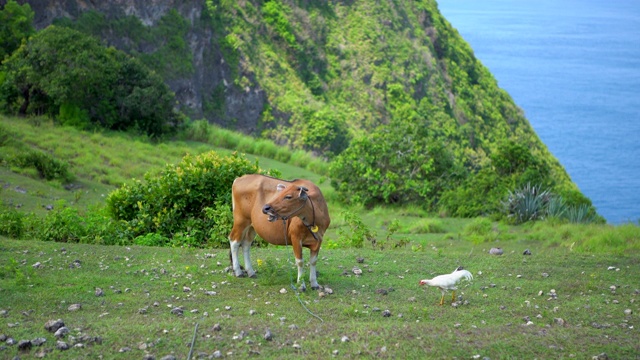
x=208, y=73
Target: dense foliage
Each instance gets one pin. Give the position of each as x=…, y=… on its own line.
x=187, y=204
x=16, y=25
x=388, y=91
x=73, y=78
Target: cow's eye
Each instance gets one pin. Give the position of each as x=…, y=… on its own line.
x=288, y=197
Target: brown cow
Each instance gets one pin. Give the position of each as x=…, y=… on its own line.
x=258, y=201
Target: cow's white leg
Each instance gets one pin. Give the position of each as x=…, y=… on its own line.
x=234, y=258
x=246, y=250
x=313, y=259
x=300, y=264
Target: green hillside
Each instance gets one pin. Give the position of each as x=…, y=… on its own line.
x=387, y=91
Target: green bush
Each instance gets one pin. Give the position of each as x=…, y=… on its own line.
x=357, y=231
x=48, y=167
x=71, y=76
x=11, y=223
x=198, y=130
x=151, y=239
x=177, y=202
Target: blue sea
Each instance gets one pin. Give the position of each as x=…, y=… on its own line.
x=574, y=68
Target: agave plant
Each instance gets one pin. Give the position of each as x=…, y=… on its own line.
x=580, y=214
x=557, y=207
x=528, y=203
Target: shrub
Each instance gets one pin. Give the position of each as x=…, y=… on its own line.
x=427, y=226
x=198, y=130
x=184, y=201
x=11, y=223
x=48, y=167
x=71, y=76
x=357, y=232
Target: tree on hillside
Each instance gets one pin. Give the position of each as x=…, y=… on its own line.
x=73, y=78
x=16, y=24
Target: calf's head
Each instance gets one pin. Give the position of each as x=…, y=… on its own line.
x=288, y=201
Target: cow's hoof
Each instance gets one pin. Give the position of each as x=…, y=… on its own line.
x=303, y=287
x=241, y=275
x=253, y=276
x=315, y=287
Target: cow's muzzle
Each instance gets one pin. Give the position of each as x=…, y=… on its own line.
x=268, y=210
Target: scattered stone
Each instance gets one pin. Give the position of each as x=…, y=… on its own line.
x=142, y=311
x=99, y=292
x=49, y=207
x=268, y=336
x=356, y=270
x=496, y=251
x=148, y=357
x=559, y=321
x=328, y=290
x=53, y=325
x=216, y=354
x=412, y=299
x=24, y=345
x=526, y=252
x=335, y=352
x=4, y=313
x=628, y=311
x=177, y=311
x=293, y=327
x=283, y=291
x=602, y=356
x=62, y=332
x=37, y=265
x=386, y=313
x=382, y=291
x=360, y=260
x=545, y=275
x=61, y=345
x=252, y=312
x=186, y=289
x=168, y=357
x=10, y=341
x=345, y=339
x=216, y=327
x=297, y=346
x=74, y=307
x=124, y=349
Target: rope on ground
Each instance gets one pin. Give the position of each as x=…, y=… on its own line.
x=284, y=225
x=193, y=341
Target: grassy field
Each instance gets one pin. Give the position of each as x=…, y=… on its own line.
x=594, y=310
x=578, y=289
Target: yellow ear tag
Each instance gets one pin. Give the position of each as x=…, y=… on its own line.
x=314, y=229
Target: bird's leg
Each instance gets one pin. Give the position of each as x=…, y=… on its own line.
x=453, y=296
x=442, y=298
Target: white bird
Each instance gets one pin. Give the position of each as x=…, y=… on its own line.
x=448, y=282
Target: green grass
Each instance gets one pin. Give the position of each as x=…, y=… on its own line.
x=416, y=245
x=491, y=323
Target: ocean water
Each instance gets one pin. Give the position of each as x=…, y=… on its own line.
x=574, y=68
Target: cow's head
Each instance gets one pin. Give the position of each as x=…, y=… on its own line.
x=288, y=201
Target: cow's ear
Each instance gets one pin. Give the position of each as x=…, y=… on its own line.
x=280, y=187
